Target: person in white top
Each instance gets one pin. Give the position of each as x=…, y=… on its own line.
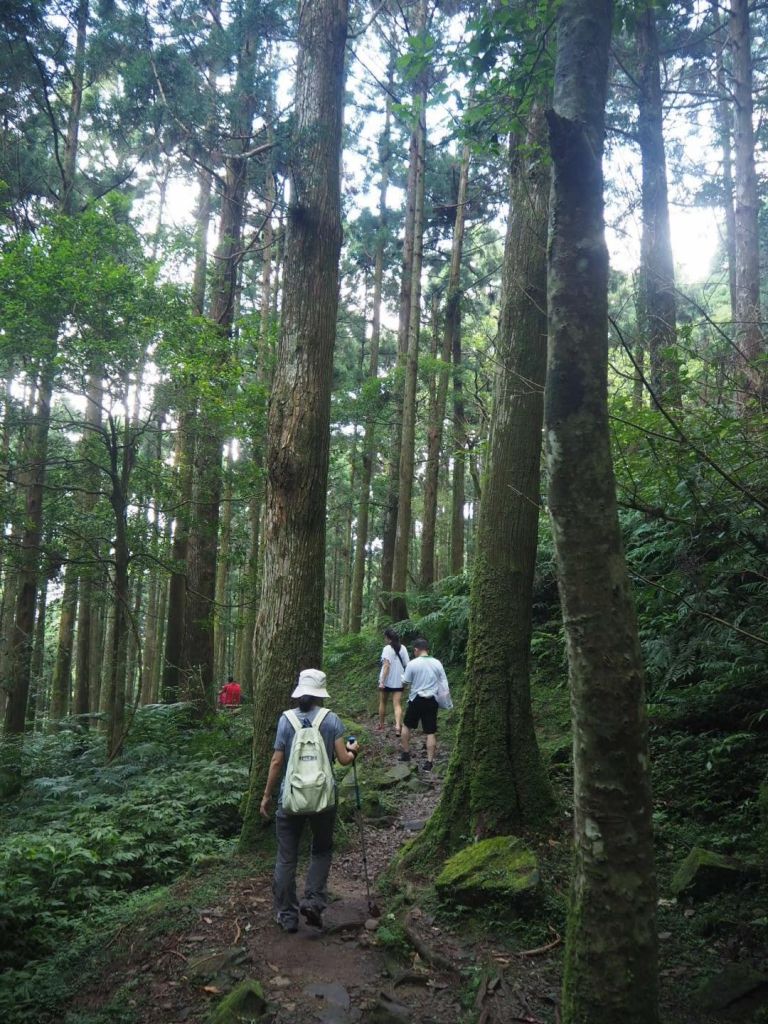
x=394, y=658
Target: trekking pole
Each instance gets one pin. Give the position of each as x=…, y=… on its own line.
x=373, y=910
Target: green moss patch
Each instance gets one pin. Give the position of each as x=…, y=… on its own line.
x=498, y=870
x=704, y=873
x=244, y=1003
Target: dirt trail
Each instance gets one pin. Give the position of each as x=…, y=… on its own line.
x=336, y=976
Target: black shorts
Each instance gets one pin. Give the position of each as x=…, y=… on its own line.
x=424, y=710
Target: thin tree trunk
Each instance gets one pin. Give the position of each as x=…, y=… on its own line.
x=289, y=630
x=85, y=653
x=37, y=693
x=369, y=441
x=398, y=605
x=724, y=116
x=610, y=957
x=62, y=668
x=223, y=606
x=452, y=331
x=389, y=530
x=748, y=334
x=658, y=300
x=32, y=479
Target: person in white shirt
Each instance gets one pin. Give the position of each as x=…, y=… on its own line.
x=394, y=659
x=424, y=676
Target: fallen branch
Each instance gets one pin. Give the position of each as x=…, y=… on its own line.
x=425, y=951
x=541, y=949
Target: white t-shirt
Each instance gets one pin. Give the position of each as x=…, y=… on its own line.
x=397, y=663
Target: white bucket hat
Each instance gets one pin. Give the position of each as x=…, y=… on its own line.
x=311, y=684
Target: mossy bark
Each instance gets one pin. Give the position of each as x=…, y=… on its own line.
x=507, y=789
x=610, y=964
x=289, y=629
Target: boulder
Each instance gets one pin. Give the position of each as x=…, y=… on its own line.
x=246, y=1002
x=704, y=873
x=498, y=870
x=735, y=992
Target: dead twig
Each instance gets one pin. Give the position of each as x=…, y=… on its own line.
x=175, y=952
x=541, y=949
x=238, y=932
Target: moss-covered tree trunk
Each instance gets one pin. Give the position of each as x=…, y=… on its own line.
x=289, y=628
x=506, y=789
x=610, y=969
x=62, y=668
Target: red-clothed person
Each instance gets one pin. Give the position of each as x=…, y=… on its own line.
x=230, y=695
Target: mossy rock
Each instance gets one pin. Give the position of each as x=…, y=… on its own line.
x=374, y=807
x=736, y=991
x=704, y=873
x=498, y=870
x=244, y=1003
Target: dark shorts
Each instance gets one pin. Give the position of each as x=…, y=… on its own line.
x=392, y=689
x=424, y=710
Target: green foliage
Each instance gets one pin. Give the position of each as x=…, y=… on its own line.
x=81, y=834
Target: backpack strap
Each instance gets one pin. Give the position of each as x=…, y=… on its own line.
x=320, y=718
x=293, y=718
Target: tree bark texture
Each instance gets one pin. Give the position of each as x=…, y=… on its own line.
x=202, y=551
x=289, y=629
x=398, y=603
x=369, y=441
x=610, y=964
x=658, y=298
x=389, y=529
x=451, y=332
x=748, y=333
x=62, y=667
x=32, y=479
x=724, y=115
x=507, y=789
x=85, y=653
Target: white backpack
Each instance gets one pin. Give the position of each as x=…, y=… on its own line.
x=308, y=786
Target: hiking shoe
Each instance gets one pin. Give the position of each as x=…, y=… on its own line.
x=428, y=766
x=311, y=915
x=403, y=756
x=288, y=924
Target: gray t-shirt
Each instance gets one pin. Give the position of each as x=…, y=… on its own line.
x=331, y=729
x=422, y=674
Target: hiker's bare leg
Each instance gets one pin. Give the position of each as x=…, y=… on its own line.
x=397, y=703
x=405, y=739
x=382, y=707
x=431, y=746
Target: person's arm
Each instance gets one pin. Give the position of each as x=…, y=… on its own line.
x=383, y=674
x=345, y=752
x=273, y=777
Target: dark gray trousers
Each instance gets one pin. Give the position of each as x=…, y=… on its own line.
x=290, y=828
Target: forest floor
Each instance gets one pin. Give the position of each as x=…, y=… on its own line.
x=356, y=969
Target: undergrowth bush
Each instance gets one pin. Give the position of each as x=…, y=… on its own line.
x=81, y=833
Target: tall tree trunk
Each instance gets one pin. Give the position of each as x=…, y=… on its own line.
x=37, y=691
x=85, y=652
x=202, y=550
x=610, y=962
x=32, y=479
x=369, y=441
x=748, y=334
x=452, y=331
x=62, y=668
x=223, y=618
x=724, y=116
x=289, y=631
x=398, y=606
x=459, y=462
x=389, y=530
x=658, y=300
x=507, y=789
